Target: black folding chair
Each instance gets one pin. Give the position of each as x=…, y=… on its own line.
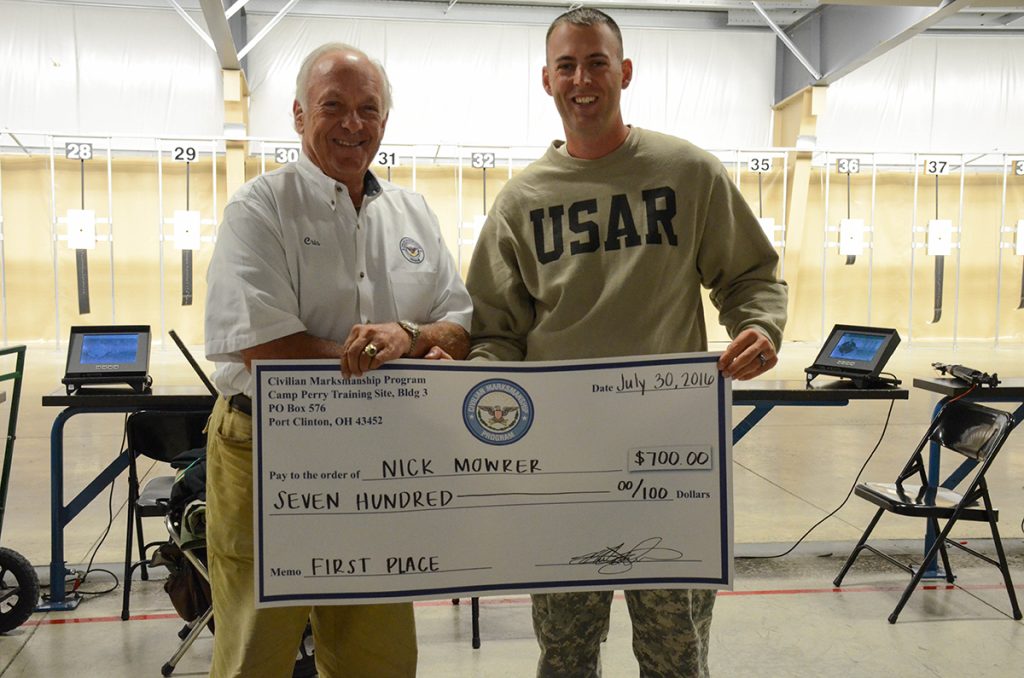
x=160, y=435
x=969, y=429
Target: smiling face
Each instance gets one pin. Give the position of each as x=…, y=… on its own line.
x=585, y=73
x=344, y=118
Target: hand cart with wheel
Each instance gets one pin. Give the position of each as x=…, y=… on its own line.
x=19, y=585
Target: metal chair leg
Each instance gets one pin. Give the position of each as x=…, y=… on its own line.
x=476, y=623
x=127, y=593
x=200, y=624
x=1004, y=566
x=858, y=548
x=944, y=553
x=940, y=541
x=144, y=574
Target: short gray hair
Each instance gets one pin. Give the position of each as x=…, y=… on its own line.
x=586, y=17
x=302, y=80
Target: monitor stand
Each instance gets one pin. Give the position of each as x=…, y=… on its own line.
x=102, y=383
x=859, y=382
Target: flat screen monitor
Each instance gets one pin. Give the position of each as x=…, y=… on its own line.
x=108, y=354
x=855, y=352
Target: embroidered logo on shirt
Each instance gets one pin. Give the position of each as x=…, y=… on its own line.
x=411, y=250
x=311, y=241
x=498, y=412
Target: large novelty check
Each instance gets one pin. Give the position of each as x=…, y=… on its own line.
x=440, y=479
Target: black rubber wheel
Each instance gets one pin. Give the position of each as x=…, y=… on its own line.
x=166, y=670
x=19, y=590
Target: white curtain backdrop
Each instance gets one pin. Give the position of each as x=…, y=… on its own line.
x=480, y=84
x=100, y=70
x=933, y=93
x=274, y=63
x=73, y=69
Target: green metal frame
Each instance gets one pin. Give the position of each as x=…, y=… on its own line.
x=12, y=422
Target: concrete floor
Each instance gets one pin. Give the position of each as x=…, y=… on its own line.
x=784, y=618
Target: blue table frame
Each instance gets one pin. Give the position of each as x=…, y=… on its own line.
x=61, y=514
x=1009, y=391
x=763, y=396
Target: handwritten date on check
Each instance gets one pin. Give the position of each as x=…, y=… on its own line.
x=426, y=480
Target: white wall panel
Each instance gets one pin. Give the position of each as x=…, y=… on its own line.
x=720, y=90
x=979, y=94
x=643, y=102
x=542, y=119
x=39, y=75
x=481, y=84
x=933, y=93
x=274, y=63
x=98, y=70
x=459, y=84
x=95, y=70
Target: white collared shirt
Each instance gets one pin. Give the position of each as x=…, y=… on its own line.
x=293, y=255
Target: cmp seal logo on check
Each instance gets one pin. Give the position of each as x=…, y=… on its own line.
x=497, y=412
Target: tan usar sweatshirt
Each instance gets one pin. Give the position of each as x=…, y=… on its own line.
x=601, y=258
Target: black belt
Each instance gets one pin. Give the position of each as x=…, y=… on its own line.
x=242, y=403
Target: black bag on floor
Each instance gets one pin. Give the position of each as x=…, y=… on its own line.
x=188, y=590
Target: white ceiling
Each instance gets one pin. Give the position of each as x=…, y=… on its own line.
x=989, y=15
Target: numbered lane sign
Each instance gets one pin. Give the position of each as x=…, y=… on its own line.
x=760, y=165
x=386, y=158
x=936, y=166
x=78, y=151
x=286, y=154
x=1018, y=167
x=184, y=154
x=848, y=166
x=482, y=160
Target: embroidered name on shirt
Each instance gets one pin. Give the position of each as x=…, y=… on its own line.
x=617, y=224
x=311, y=241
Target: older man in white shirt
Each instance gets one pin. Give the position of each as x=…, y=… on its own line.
x=318, y=259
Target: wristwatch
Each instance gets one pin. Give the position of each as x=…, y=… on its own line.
x=413, y=330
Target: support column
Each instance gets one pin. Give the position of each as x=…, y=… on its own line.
x=236, y=127
x=796, y=125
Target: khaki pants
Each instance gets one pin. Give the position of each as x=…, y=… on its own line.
x=671, y=630
x=350, y=641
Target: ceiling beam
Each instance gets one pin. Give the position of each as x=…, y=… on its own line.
x=238, y=6
x=784, y=39
x=838, y=39
x=266, y=29
x=192, y=24
x=220, y=33
x=515, y=12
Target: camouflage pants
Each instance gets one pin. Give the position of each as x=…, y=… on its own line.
x=671, y=629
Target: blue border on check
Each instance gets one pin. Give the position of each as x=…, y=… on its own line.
x=491, y=369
